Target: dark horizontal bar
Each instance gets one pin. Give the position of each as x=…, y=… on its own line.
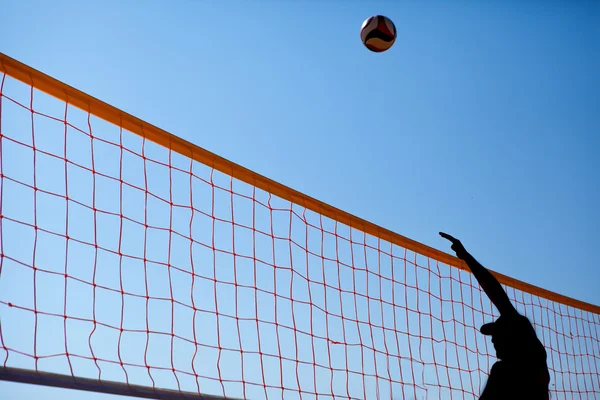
x=95, y=385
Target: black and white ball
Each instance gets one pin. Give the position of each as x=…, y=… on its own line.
x=378, y=33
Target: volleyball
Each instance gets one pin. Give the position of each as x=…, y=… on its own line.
x=378, y=33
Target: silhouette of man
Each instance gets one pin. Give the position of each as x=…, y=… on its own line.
x=521, y=372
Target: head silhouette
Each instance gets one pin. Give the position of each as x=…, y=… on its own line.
x=511, y=336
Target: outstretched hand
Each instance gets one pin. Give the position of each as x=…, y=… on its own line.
x=457, y=246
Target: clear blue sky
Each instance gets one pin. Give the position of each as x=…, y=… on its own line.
x=483, y=120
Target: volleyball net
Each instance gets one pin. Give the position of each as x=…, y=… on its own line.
x=133, y=262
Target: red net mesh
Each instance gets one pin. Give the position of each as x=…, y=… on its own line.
x=123, y=261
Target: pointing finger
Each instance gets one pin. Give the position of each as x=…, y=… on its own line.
x=448, y=237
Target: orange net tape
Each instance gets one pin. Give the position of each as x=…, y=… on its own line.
x=129, y=255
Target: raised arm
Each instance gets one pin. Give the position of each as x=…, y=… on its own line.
x=488, y=282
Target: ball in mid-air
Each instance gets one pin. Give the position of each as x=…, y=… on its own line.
x=378, y=33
